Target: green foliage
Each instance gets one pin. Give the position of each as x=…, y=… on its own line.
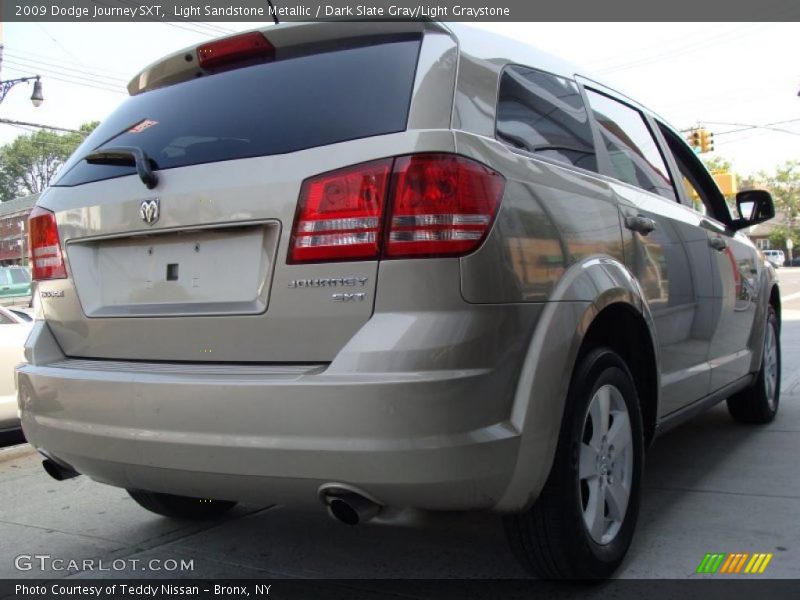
x=717, y=164
x=780, y=234
x=29, y=162
x=784, y=185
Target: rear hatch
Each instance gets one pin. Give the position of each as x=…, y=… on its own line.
x=196, y=268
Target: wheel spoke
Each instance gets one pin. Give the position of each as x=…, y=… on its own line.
x=587, y=465
x=599, y=410
x=594, y=515
x=619, y=436
x=617, y=497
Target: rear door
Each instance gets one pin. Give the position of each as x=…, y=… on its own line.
x=664, y=246
x=196, y=269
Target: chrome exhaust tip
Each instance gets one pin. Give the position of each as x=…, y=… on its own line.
x=349, y=505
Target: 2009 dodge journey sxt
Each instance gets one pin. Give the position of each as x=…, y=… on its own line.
x=390, y=265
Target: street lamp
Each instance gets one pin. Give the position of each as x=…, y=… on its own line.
x=36, y=97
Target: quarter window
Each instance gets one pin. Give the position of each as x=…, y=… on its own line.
x=544, y=114
x=635, y=157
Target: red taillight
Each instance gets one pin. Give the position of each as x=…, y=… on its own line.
x=234, y=49
x=442, y=205
x=339, y=214
x=437, y=205
x=44, y=246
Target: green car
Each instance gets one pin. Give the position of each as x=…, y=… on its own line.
x=15, y=281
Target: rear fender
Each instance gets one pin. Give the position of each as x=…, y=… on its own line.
x=585, y=290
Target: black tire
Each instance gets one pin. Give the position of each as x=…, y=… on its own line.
x=551, y=540
x=757, y=404
x=181, y=507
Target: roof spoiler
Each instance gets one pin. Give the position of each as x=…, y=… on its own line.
x=184, y=65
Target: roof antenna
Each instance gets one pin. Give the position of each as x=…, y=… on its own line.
x=274, y=14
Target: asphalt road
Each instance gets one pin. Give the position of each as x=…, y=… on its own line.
x=711, y=486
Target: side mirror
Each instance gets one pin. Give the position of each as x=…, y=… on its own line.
x=754, y=206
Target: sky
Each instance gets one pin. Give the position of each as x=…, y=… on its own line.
x=725, y=76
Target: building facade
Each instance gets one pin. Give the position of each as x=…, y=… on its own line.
x=14, y=230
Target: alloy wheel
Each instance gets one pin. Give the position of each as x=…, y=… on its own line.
x=605, y=464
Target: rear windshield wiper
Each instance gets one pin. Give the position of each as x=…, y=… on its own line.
x=126, y=156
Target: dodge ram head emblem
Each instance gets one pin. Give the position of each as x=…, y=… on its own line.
x=149, y=211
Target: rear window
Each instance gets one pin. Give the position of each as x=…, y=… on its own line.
x=271, y=108
x=544, y=114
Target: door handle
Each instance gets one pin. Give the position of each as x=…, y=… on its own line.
x=640, y=224
x=718, y=244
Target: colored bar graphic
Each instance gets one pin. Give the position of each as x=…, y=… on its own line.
x=741, y=562
x=727, y=566
x=767, y=558
x=734, y=562
x=711, y=563
x=753, y=564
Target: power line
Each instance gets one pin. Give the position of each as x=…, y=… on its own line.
x=669, y=45
x=748, y=127
x=59, y=44
x=46, y=64
x=41, y=126
x=68, y=78
x=96, y=79
x=687, y=49
x=59, y=61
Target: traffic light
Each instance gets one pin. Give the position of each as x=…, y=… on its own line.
x=706, y=141
x=700, y=139
x=694, y=139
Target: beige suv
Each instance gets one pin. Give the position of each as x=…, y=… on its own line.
x=390, y=265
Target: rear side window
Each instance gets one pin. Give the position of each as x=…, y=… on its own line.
x=635, y=157
x=271, y=108
x=544, y=114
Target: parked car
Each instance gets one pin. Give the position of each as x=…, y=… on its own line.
x=391, y=265
x=15, y=325
x=14, y=282
x=776, y=257
x=794, y=262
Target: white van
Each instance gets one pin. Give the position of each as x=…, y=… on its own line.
x=776, y=257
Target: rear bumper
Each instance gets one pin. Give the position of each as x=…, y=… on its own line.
x=436, y=439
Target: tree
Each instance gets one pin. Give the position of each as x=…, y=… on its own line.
x=717, y=164
x=29, y=162
x=784, y=185
x=780, y=234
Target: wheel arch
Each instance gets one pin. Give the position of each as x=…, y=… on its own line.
x=596, y=301
x=621, y=327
